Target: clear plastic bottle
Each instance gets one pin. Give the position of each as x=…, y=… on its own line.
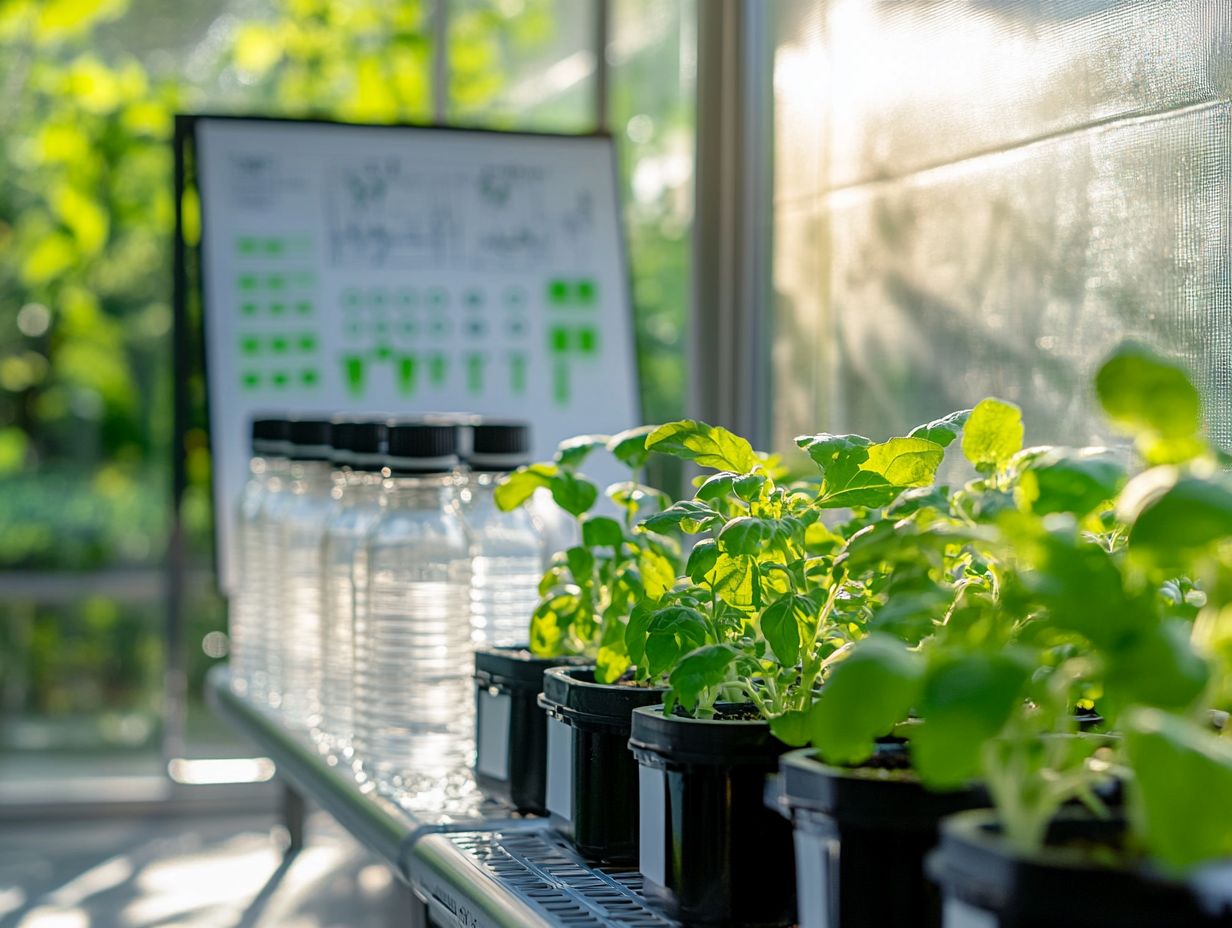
x=359, y=453
x=414, y=709
x=247, y=607
x=300, y=520
x=508, y=547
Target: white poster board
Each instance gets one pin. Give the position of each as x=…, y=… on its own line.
x=401, y=270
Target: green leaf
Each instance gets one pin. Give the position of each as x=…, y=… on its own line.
x=1182, y=776
x=636, y=631
x=701, y=669
x=658, y=573
x=943, y=431
x=573, y=494
x=629, y=496
x=518, y=487
x=1152, y=399
x=993, y=434
x=629, y=446
x=672, y=632
x=858, y=473
x=787, y=624
x=747, y=535
x=905, y=462
x=572, y=452
x=716, y=486
x=550, y=624
x=708, y=445
x=1168, y=520
x=749, y=486
x=966, y=699
x=602, y=531
x=689, y=515
x=613, y=658
x=1158, y=667
x=702, y=559
x=581, y=564
x=1063, y=480
x=736, y=581
x=793, y=728
x=867, y=694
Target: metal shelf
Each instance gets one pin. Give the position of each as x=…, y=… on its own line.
x=468, y=859
x=524, y=879
x=387, y=828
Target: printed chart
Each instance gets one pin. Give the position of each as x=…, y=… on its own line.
x=402, y=270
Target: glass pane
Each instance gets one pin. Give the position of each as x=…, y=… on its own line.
x=522, y=64
x=653, y=73
x=985, y=198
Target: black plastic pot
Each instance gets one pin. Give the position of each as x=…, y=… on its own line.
x=592, y=777
x=511, y=731
x=987, y=884
x=861, y=835
x=711, y=853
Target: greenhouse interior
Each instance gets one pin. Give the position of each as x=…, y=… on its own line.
x=615, y=463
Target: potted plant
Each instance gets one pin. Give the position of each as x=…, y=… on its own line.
x=1147, y=619
x=743, y=640
x=578, y=626
x=950, y=653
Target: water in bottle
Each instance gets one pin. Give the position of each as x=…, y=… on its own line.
x=508, y=547
x=300, y=529
x=247, y=606
x=359, y=455
x=413, y=707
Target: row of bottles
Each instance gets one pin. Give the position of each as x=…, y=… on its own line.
x=373, y=559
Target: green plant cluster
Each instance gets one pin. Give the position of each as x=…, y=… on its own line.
x=1061, y=618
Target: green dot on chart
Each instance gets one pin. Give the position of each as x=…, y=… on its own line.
x=558, y=292
x=308, y=377
x=437, y=298
x=515, y=296
x=278, y=309
x=307, y=343
x=588, y=340
x=475, y=327
x=280, y=379
x=248, y=281
x=249, y=309
x=250, y=381
x=409, y=327
x=354, y=328
x=351, y=297
x=275, y=281
x=278, y=344
x=517, y=327
x=303, y=307
x=473, y=299
x=250, y=344
x=439, y=327
x=406, y=298
x=246, y=246
x=586, y=292
x=383, y=352
x=559, y=340
x=376, y=298
x=273, y=246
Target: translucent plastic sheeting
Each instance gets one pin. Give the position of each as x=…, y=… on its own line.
x=985, y=197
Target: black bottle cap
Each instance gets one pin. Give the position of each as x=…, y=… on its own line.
x=359, y=442
x=270, y=434
x=310, y=440
x=499, y=446
x=422, y=447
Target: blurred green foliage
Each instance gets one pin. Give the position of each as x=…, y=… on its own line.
x=86, y=216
